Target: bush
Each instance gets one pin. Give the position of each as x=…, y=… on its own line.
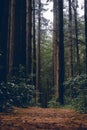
x=76, y=92
x=80, y=103
x=17, y=91
x=15, y=94
x=22, y=94
x=53, y=103
x=5, y=99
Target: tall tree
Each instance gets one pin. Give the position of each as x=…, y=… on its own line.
x=55, y=46
x=70, y=41
x=20, y=33
x=75, y=5
x=61, y=52
x=34, y=46
x=4, y=14
x=85, y=7
x=11, y=38
x=28, y=37
x=38, y=54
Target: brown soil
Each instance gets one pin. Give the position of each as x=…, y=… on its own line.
x=43, y=119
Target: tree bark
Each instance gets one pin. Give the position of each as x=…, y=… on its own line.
x=11, y=38
x=55, y=46
x=75, y=5
x=38, y=55
x=70, y=42
x=85, y=7
x=34, y=46
x=20, y=34
x=28, y=37
x=61, y=53
x=4, y=16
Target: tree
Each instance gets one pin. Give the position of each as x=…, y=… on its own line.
x=20, y=34
x=58, y=47
x=61, y=53
x=55, y=47
x=4, y=14
x=11, y=37
x=38, y=55
x=70, y=41
x=75, y=5
x=28, y=37
x=34, y=46
x=85, y=7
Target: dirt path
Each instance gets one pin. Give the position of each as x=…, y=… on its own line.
x=43, y=119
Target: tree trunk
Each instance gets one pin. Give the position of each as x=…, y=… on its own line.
x=85, y=6
x=11, y=38
x=70, y=42
x=20, y=34
x=23, y=33
x=55, y=46
x=28, y=37
x=4, y=15
x=75, y=5
x=38, y=55
x=61, y=52
x=34, y=46
x=34, y=49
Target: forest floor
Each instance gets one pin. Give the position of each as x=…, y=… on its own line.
x=34, y=118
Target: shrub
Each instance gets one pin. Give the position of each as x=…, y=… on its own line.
x=53, y=103
x=80, y=103
x=76, y=92
x=5, y=99
x=15, y=94
x=17, y=91
x=21, y=94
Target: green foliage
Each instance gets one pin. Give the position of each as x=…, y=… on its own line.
x=16, y=92
x=80, y=103
x=46, y=89
x=76, y=92
x=12, y=94
x=53, y=103
x=22, y=94
x=5, y=99
x=19, y=73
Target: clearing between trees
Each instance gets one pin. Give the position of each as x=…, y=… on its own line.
x=34, y=118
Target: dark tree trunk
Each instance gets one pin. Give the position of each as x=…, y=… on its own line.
x=85, y=6
x=11, y=37
x=75, y=5
x=34, y=46
x=38, y=55
x=20, y=34
x=61, y=52
x=55, y=46
x=23, y=33
x=4, y=14
x=70, y=42
x=28, y=37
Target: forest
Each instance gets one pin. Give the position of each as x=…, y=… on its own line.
x=43, y=63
